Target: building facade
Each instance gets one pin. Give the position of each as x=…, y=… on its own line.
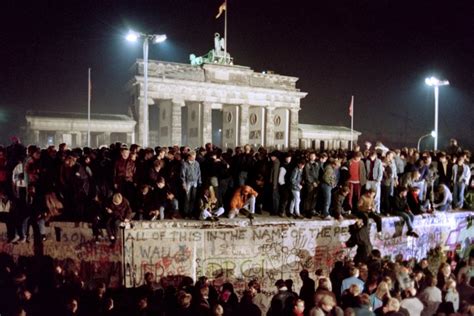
x=192, y=105
x=326, y=137
x=53, y=128
x=254, y=108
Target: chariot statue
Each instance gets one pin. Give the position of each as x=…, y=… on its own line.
x=218, y=55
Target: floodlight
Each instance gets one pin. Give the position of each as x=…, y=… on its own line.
x=159, y=38
x=132, y=36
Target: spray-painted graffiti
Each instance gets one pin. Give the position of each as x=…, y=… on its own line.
x=268, y=252
x=74, y=247
x=230, y=251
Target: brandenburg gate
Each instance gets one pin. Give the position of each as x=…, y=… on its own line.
x=260, y=109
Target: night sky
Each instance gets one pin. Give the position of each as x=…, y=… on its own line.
x=379, y=51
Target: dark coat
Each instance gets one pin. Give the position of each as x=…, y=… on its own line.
x=281, y=303
x=360, y=238
x=122, y=211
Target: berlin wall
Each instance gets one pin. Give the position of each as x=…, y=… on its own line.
x=235, y=250
x=270, y=249
x=74, y=248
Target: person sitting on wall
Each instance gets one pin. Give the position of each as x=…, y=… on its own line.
x=144, y=200
x=119, y=212
x=416, y=206
x=337, y=205
x=243, y=199
x=400, y=208
x=163, y=202
x=208, y=205
x=444, y=200
x=366, y=210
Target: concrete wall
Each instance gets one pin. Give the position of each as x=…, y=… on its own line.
x=236, y=250
x=270, y=249
x=75, y=247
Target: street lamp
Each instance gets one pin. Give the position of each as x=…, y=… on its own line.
x=154, y=38
x=436, y=83
x=432, y=134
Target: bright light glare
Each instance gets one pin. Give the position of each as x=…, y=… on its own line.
x=433, y=81
x=132, y=36
x=159, y=38
x=433, y=134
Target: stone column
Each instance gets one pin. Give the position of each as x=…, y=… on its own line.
x=130, y=138
x=243, y=125
x=58, y=137
x=36, y=137
x=83, y=137
x=269, y=131
x=79, y=142
x=293, y=139
x=206, y=121
x=175, y=131
x=141, y=120
x=107, y=138
x=344, y=144
x=317, y=144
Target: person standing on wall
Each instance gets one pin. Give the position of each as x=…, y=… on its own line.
x=274, y=172
x=296, y=186
x=374, y=170
x=311, y=182
x=191, y=179
x=357, y=179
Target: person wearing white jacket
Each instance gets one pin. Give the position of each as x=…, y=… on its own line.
x=412, y=303
x=461, y=176
x=374, y=172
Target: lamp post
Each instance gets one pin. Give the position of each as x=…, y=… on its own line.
x=154, y=38
x=432, y=134
x=436, y=83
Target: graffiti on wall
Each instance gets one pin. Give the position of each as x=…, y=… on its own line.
x=76, y=248
x=263, y=251
x=269, y=252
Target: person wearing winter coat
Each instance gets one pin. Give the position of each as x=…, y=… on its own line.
x=119, y=211
x=244, y=198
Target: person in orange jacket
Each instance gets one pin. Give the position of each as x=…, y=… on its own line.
x=244, y=198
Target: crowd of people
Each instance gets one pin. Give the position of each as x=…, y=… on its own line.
x=110, y=186
x=113, y=185
x=376, y=286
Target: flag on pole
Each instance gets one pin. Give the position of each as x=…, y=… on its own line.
x=222, y=8
x=351, y=107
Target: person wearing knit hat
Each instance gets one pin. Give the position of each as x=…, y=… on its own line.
x=117, y=199
x=119, y=211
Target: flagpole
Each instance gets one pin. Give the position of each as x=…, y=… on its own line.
x=352, y=124
x=225, y=33
x=89, y=109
